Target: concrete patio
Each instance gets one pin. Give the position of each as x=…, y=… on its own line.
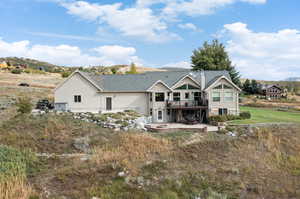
x=171, y=127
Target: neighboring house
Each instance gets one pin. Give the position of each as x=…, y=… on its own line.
x=179, y=96
x=272, y=91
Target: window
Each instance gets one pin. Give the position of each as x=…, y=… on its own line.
x=151, y=111
x=183, y=87
x=159, y=97
x=151, y=98
x=159, y=115
x=228, y=97
x=77, y=98
x=218, y=87
x=227, y=86
x=223, y=111
x=216, y=97
x=176, y=96
x=169, y=112
x=191, y=87
x=187, y=95
x=108, y=103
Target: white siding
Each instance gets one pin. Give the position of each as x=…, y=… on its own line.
x=159, y=106
x=77, y=85
x=233, y=107
x=126, y=101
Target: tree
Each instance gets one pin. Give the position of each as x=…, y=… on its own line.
x=254, y=87
x=247, y=86
x=132, y=69
x=214, y=57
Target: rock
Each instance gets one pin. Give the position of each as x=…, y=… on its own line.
x=121, y=174
x=82, y=144
x=140, y=180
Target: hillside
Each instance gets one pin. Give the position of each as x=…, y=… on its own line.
x=258, y=163
x=31, y=63
x=292, y=79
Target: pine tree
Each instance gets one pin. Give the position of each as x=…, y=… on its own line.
x=247, y=86
x=254, y=87
x=214, y=57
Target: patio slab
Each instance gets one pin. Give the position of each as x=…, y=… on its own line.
x=171, y=127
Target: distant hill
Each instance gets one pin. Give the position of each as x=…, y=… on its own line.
x=174, y=69
x=31, y=63
x=293, y=79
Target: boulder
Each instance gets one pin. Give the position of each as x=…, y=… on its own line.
x=82, y=144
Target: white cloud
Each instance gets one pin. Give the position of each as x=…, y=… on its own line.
x=181, y=64
x=263, y=55
x=189, y=26
x=199, y=7
x=70, y=55
x=136, y=22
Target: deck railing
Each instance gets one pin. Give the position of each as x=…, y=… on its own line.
x=186, y=103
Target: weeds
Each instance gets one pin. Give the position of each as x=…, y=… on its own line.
x=127, y=150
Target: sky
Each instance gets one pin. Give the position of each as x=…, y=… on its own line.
x=262, y=37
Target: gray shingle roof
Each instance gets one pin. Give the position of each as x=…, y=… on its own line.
x=142, y=82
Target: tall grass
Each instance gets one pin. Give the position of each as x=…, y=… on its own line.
x=15, y=188
x=128, y=150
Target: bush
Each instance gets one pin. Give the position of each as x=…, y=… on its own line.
x=65, y=74
x=24, y=105
x=16, y=71
x=217, y=118
x=245, y=115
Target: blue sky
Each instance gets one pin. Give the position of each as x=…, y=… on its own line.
x=261, y=36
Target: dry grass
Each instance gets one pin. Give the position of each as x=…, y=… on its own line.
x=130, y=150
x=15, y=188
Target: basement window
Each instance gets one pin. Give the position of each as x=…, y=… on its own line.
x=223, y=111
x=77, y=98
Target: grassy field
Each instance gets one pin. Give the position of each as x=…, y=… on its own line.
x=265, y=115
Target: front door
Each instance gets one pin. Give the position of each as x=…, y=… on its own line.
x=108, y=103
x=159, y=115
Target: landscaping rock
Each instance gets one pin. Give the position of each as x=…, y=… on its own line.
x=82, y=144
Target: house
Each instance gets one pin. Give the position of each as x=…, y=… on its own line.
x=272, y=91
x=178, y=96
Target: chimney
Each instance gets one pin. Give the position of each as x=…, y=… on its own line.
x=202, y=79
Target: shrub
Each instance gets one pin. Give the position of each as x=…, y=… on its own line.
x=24, y=105
x=217, y=118
x=16, y=71
x=232, y=117
x=245, y=115
x=65, y=74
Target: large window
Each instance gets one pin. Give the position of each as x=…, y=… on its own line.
x=228, y=96
x=218, y=87
x=77, y=98
x=227, y=86
x=159, y=97
x=216, y=96
x=176, y=96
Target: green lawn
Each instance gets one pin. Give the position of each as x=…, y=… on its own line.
x=265, y=115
